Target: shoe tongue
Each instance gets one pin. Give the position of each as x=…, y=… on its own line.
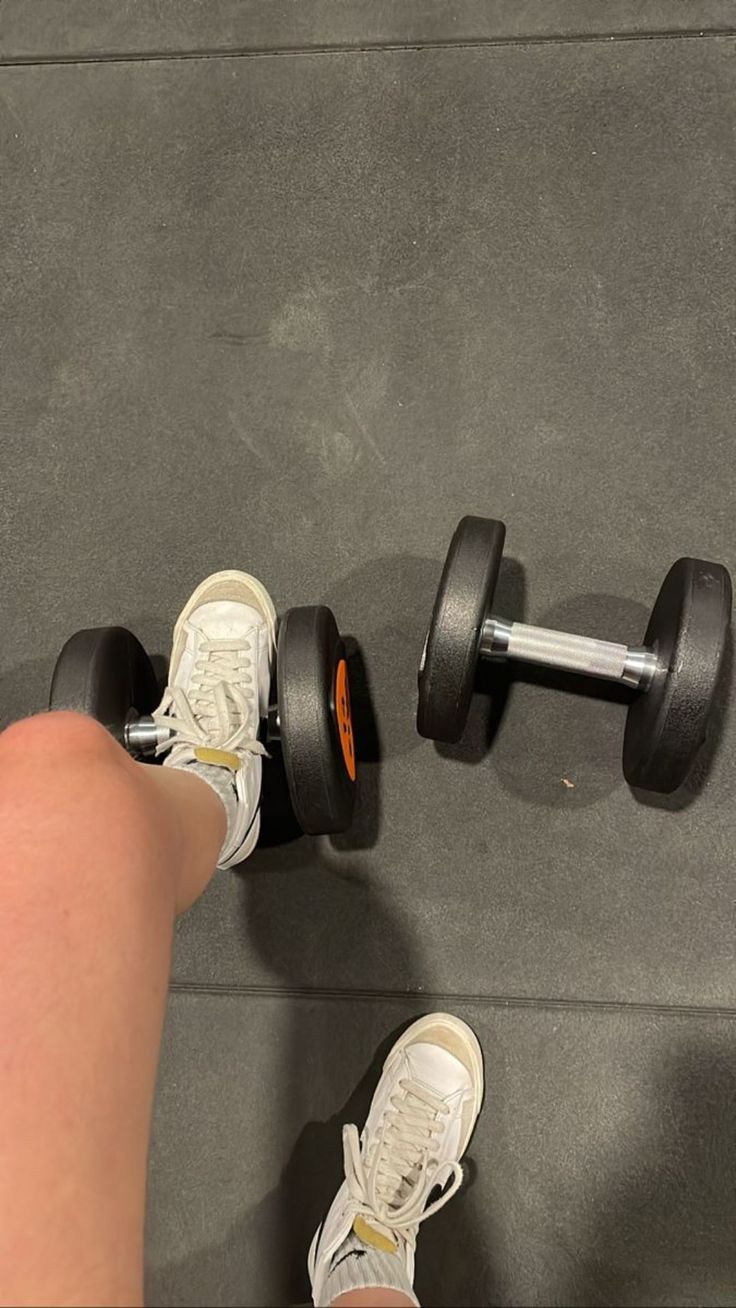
x=223, y=620
x=442, y=1076
x=375, y=1235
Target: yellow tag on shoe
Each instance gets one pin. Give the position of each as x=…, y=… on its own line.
x=218, y=758
x=375, y=1239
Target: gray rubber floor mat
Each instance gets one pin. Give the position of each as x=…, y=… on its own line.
x=298, y=314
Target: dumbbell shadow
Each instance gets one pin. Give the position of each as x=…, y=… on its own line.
x=278, y=820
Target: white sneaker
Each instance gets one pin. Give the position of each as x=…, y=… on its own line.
x=419, y=1125
x=218, y=692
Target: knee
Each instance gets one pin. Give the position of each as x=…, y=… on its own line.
x=61, y=739
x=77, y=815
x=68, y=770
x=62, y=762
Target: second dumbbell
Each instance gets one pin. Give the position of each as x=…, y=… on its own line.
x=676, y=668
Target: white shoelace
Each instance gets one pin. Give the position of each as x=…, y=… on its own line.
x=392, y=1183
x=220, y=709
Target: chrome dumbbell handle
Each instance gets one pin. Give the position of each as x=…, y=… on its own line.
x=142, y=736
x=631, y=665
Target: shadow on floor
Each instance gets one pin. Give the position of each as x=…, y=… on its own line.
x=667, y=1214
x=568, y=729
x=389, y=602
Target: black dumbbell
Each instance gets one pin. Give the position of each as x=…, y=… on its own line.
x=675, y=670
x=106, y=673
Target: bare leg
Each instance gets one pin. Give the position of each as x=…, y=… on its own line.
x=98, y=855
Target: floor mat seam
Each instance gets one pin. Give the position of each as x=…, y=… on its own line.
x=368, y=47
x=445, y=998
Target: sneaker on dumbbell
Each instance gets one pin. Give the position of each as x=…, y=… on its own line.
x=217, y=696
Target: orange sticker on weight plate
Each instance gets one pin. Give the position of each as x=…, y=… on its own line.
x=344, y=717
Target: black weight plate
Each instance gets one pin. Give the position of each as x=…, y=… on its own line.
x=688, y=628
x=104, y=672
x=447, y=670
x=314, y=717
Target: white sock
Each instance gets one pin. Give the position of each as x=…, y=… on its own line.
x=221, y=781
x=358, y=1266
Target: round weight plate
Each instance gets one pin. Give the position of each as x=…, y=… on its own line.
x=315, y=722
x=104, y=672
x=447, y=670
x=666, y=724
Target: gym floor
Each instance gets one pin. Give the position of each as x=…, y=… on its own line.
x=292, y=287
